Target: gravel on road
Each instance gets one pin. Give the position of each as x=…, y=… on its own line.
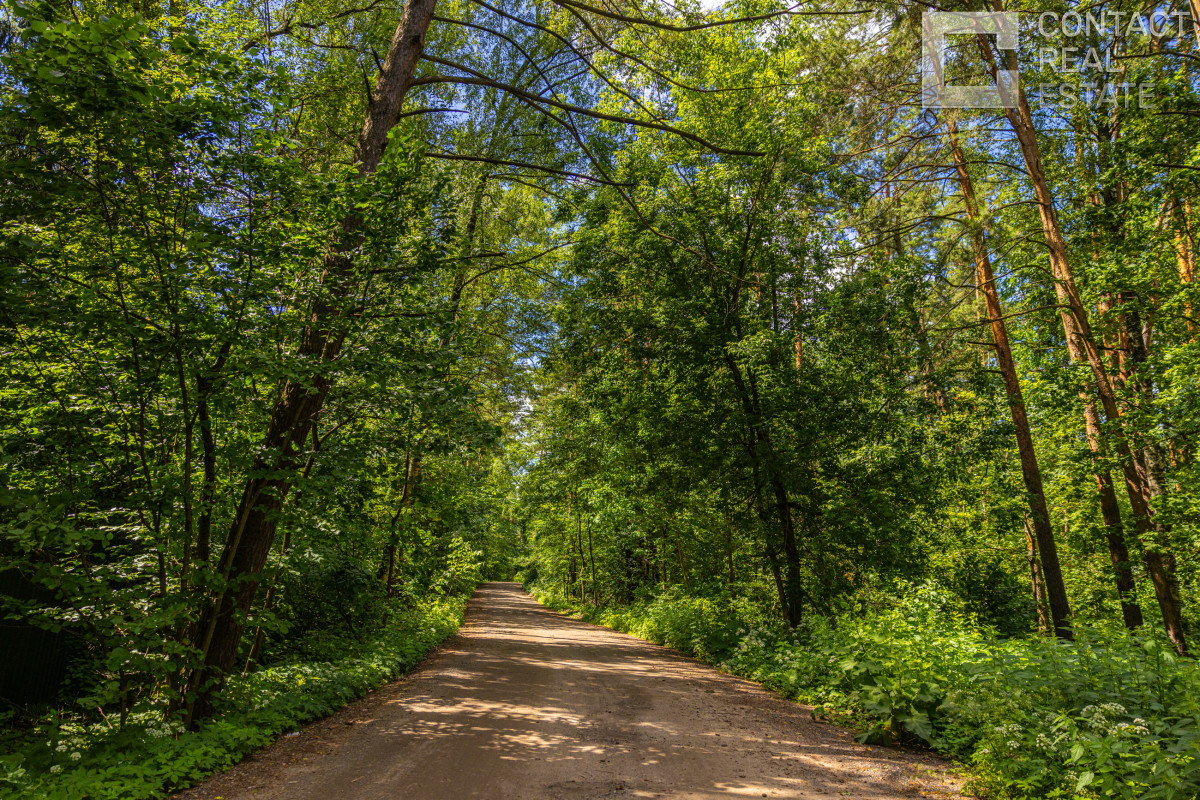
x=528, y=704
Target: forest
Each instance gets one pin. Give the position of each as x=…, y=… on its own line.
x=709, y=322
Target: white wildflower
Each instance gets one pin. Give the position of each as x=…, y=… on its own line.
x=57, y=768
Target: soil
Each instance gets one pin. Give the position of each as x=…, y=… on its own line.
x=528, y=704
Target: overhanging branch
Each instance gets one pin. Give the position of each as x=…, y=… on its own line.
x=477, y=79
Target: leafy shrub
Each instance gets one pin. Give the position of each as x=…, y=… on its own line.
x=111, y=628
x=463, y=570
x=149, y=758
x=697, y=626
x=326, y=599
x=1109, y=715
x=994, y=595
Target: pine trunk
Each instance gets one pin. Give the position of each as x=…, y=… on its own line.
x=1082, y=347
x=1055, y=589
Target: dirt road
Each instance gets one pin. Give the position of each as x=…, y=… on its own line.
x=527, y=704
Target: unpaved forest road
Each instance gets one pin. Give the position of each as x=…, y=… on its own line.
x=527, y=704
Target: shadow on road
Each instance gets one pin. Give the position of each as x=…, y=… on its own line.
x=525, y=703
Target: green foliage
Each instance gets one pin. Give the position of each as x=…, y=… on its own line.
x=463, y=570
x=726, y=402
x=990, y=591
x=697, y=626
x=149, y=757
x=1110, y=715
x=165, y=215
x=327, y=600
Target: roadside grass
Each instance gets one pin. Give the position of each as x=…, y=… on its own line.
x=149, y=757
x=1109, y=715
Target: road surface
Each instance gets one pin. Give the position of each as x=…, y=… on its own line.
x=527, y=704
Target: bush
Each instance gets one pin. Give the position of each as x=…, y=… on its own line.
x=994, y=595
x=149, y=758
x=327, y=599
x=463, y=569
x=1109, y=715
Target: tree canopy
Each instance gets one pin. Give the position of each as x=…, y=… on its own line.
x=315, y=312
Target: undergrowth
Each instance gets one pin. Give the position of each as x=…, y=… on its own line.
x=149, y=757
x=1109, y=715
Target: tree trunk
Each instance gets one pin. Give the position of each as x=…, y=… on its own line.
x=188, y=443
x=582, y=559
x=208, y=488
x=1035, y=577
x=1082, y=347
x=687, y=585
x=408, y=495
x=592, y=555
x=1195, y=5
x=773, y=560
x=253, y=530
x=798, y=344
x=269, y=600
x=1110, y=513
x=1148, y=462
x=729, y=548
x=760, y=440
x=1056, y=593
x=1185, y=259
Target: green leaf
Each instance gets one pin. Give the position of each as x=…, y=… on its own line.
x=1085, y=779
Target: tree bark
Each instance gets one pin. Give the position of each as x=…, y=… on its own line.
x=269, y=600
x=1055, y=590
x=1148, y=462
x=687, y=585
x=253, y=530
x=208, y=488
x=798, y=345
x=592, y=555
x=188, y=444
x=412, y=471
x=1185, y=258
x=759, y=440
x=1035, y=577
x=1082, y=345
x=582, y=557
x=776, y=573
x=1110, y=512
x=729, y=548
